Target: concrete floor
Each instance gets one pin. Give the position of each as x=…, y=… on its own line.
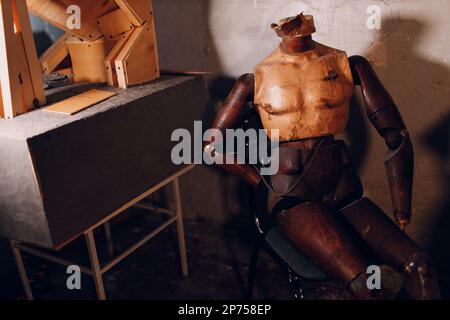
x=218, y=262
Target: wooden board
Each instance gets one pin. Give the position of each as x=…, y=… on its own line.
x=23, y=25
x=138, y=61
x=26, y=85
x=114, y=23
x=55, y=12
x=80, y=102
x=54, y=55
x=110, y=66
x=9, y=71
x=138, y=11
x=88, y=59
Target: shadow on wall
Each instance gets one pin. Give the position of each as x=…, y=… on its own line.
x=185, y=44
x=421, y=87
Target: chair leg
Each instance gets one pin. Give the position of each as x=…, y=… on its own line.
x=295, y=284
x=252, y=270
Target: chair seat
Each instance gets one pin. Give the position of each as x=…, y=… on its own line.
x=297, y=261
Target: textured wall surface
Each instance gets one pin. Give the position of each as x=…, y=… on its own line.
x=410, y=53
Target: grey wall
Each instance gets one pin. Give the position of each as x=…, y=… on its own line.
x=410, y=53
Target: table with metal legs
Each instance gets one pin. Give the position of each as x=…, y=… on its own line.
x=96, y=270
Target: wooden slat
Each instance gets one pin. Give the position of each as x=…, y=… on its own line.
x=26, y=85
x=2, y=114
x=114, y=24
x=55, y=12
x=9, y=71
x=54, y=55
x=138, y=61
x=138, y=11
x=88, y=59
x=110, y=66
x=80, y=102
x=23, y=25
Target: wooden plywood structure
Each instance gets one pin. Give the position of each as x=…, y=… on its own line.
x=88, y=59
x=61, y=175
x=129, y=23
x=114, y=24
x=55, y=12
x=54, y=55
x=20, y=76
x=137, y=61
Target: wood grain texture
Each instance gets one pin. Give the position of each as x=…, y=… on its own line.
x=138, y=11
x=54, y=55
x=26, y=85
x=80, y=102
x=114, y=23
x=96, y=164
x=88, y=59
x=138, y=60
x=23, y=25
x=9, y=70
x=55, y=12
x=110, y=60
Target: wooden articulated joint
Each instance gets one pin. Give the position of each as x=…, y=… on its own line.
x=54, y=55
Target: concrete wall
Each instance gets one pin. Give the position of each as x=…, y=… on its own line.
x=410, y=53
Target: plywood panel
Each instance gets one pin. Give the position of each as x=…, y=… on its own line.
x=26, y=85
x=55, y=12
x=80, y=102
x=114, y=24
x=9, y=70
x=138, y=61
x=88, y=59
x=54, y=55
x=110, y=66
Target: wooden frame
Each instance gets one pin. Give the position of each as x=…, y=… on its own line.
x=20, y=79
x=137, y=62
x=54, y=55
x=131, y=59
x=88, y=59
x=138, y=11
x=55, y=12
x=96, y=270
x=116, y=44
x=110, y=60
x=114, y=24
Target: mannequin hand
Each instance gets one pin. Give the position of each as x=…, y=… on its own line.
x=402, y=220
